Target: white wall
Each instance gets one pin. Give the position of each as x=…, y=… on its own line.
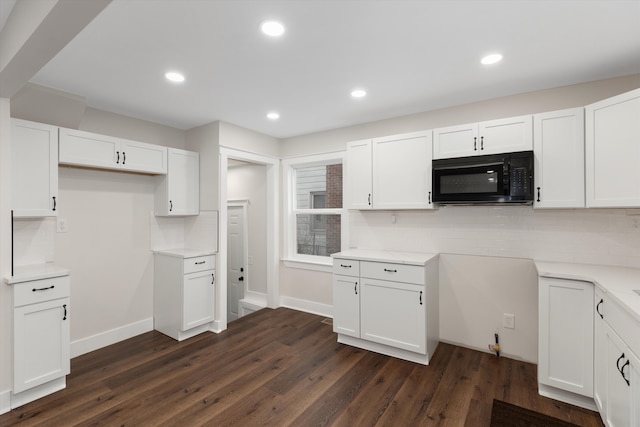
x=500, y=237
x=248, y=182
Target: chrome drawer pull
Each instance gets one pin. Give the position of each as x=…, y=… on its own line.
x=345, y=266
x=390, y=271
x=42, y=289
x=201, y=262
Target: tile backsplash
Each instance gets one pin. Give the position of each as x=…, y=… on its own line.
x=593, y=236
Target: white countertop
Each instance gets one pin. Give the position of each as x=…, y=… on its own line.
x=410, y=258
x=618, y=282
x=184, y=252
x=36, y=272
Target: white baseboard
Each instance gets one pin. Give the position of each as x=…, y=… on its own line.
x=312, y=307
x=5, y=401
x=103, y=339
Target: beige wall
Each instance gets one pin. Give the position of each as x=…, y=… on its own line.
x=527, y=103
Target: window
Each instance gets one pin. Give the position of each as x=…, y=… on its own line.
x=315, y=220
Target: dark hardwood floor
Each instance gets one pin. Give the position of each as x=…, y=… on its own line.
x=283, y=367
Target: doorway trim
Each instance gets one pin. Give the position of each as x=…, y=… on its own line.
x=273, y=226
x=244, y=204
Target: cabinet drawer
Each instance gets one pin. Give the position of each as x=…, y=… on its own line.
x=193, y=265
x=623, y=324
x=40, y=290
x=393, y=272
x=346, y=267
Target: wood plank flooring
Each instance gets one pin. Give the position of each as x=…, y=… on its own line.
x=283, y=367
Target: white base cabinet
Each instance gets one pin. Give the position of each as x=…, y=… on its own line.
x=618, y=374
x=387, y=307
x=34, y=173
x=565, y=340
x=41, y=337
x=184, y=293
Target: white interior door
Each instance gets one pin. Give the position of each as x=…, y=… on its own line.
x=236, y=271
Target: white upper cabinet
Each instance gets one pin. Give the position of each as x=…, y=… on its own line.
x=393, y=172
x=34, y=172
x=88, y=149
x=558, y=147
x=612, y=140
x=490, y=137
x=402, y=171
x=178, y=192
x=358, y=173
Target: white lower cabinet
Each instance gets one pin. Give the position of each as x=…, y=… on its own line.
x=403, y=323
x=586, y=358
x=618, y=373
x=41, y=337
x=387, y=307
x=184, y=293
x=346, y=305
x=565, y=341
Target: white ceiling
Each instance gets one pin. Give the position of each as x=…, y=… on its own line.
x=411, y=56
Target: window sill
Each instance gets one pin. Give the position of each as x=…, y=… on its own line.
x=323, y=266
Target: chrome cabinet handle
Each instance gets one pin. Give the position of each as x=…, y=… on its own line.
x=170, y=206
x=345, y=266
x=538, y=194
x=118, y=157
x=54, y=203
x=355, y=288
x=369, y=199
x=623, y=375
x=482, y=142
x=201, y=262
x=213, y=278
x=475, y=143
x=64, y=307
x=42, y=289
x=390, y=271
x=420, y=297
x=124, y=157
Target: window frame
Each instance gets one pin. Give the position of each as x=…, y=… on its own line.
x=291, y=257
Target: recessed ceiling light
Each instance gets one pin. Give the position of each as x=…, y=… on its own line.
x=175, y=77
x=273, y=115
x=491, y=59
x=358, y=93
x=272, y=28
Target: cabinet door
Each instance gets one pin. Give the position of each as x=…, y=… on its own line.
x=88, y=149
x=183, y=183
x=141, y=157
x=455, y=141
x=346, y=306
x=34, y=172
x=565, y=340
x=198, y=299
x=506, y=135
x=612, y=154
x=402, y=171
x=393, y=314
x=618, y=400
x=41, y=343
x=558, y=145
x=633, y=373
x=599, y=353
x=358, y=175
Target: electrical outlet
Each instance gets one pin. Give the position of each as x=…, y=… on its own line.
x=61, y=225
x=635, y=222
x=509, y=321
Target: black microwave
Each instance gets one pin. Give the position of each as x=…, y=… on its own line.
x=490, y=179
